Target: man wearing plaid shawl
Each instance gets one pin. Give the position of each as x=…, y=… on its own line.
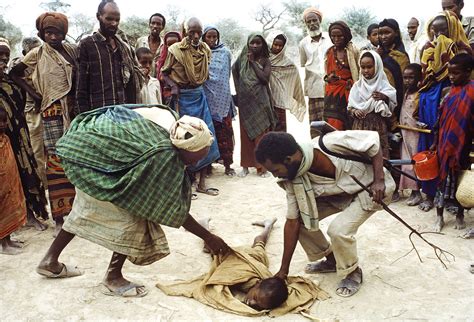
x=127, y=163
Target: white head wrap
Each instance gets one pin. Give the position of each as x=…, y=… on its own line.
x=4, y=42
x=201, y=136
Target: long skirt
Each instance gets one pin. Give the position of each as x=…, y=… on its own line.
x=315, y=110
x=12, y=199
x=61, y=191
x=192, y=102
x=374, y=122
x=103, y=223
x=281, y=116
x=410, y=142
x=247, y=150
x=225, y=139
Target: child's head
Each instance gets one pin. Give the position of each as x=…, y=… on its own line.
x=278, y=44
x=460, y=68
x=171, y=38
x=3, y=120
x=439, y=26
x=267, y=294
x=373, y=34
x=367, y=65
x=145, y=58
x=412, y=77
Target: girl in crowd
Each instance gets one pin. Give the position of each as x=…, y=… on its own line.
x=372, y=98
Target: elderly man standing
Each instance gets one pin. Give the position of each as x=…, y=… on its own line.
x=185, y=70
x=312, y=51
x=153, y=41
x=128, y=165
x=108, y=70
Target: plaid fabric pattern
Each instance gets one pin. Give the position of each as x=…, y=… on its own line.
x=53, y=126
x=315, y=110
x=114, y=154
x=456, y=124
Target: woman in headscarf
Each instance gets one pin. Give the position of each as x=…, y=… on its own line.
x=170, y=38
x=372, y=98
x=395, y=60
x=285, y=81
x=251, y=72
x=54, y=65
x=449, y=40
x=12, y=101
x=219, y=97
x=342, y=70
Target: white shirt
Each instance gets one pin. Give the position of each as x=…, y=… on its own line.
x=151, y=92
x=312, y=56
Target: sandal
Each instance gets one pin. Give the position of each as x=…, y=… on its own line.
x=66, y=271
x=320, y=267
x=130, y=290
x=208, y=191
x=350, y=284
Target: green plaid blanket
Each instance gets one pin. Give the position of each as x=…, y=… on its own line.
x=114, y=154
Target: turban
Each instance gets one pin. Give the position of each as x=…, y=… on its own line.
x=51, y=19
x=312, y=10
x=341, y=25
x=4, y=42
x=200, y=138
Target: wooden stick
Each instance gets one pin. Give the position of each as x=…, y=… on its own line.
x=428, y=131
x=438, y=251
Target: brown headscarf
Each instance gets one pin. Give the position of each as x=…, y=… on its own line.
x=51, y=19
x=342, y=26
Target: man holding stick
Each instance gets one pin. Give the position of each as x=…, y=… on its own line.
x=318, y=185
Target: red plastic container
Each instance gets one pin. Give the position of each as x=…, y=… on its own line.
x=426, y=165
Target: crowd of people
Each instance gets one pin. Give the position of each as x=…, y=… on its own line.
x=116, y=139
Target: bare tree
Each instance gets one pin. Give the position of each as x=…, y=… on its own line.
x=267, y=17
x=82, y=25
x=358, y=19
x=174, y=17
x=55, y=5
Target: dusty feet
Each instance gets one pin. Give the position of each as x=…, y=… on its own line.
x=395, y=196
x=122, y=287
x=468, y=234
x=426, y=205
x=414, y=199
x=439, y=224
x=230, y=172
x=460, y=224
x=10, y=247
x=351, y=284
x=264, y=174
x=322, y=266
x=265, y=223
x=55, y=269
x=243, y=173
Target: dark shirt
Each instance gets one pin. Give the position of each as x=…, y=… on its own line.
x=100, y=81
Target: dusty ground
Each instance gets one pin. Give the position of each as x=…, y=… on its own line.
x=402, y=290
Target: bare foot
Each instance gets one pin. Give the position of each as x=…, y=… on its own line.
x=265, y=174
x=230, y=172
x=426, y=205
x=53, y=267
x=9, y=250
x=395, y=196
x=460, y=224
x=265, y=223
x=414, y=199
x=243, y=173
x=122, y=287
x=439, y=224
x=36, y=224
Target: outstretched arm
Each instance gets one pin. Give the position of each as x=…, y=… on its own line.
x=290, y=238
x=215, y=243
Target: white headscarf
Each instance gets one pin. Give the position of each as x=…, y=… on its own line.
x=360, y=96
x=201, y=136
x=5, y=42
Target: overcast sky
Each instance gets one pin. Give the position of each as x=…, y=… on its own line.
x=23, y=13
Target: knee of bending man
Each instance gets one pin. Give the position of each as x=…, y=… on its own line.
x=336, y=230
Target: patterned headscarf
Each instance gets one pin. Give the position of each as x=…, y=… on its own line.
x=312, y=10
x=5, y=42
x=51, y=19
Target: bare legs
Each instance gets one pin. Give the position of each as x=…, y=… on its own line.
x=10, y=247
x=267, y=225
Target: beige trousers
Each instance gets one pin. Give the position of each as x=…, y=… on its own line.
x=35, y=127
x=342, y=231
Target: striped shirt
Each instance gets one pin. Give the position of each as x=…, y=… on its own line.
x=100, y=81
